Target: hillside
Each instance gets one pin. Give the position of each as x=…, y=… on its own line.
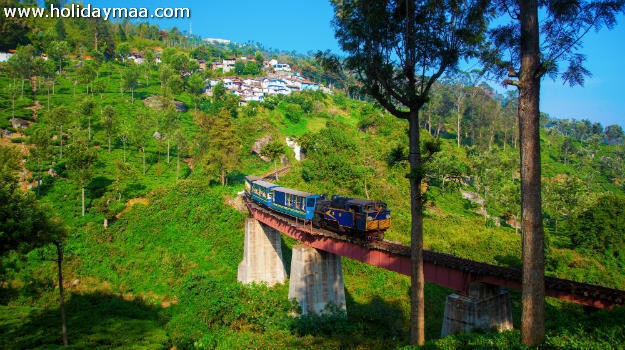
x=162, y=273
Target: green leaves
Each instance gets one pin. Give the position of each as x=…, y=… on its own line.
x=24, y=224
x=600, y=227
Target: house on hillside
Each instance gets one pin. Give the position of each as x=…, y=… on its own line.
x=277, y=66
x=228, y=64
x=309, y=85
x=136, y=57
x=4, y=56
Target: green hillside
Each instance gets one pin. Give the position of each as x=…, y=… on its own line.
x=162, y=274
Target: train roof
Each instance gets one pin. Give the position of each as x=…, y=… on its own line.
x=294, y=192
x=265, y=184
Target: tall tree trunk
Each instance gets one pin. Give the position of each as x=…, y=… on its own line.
x=458, y=118
x=158, y=167
x=61, y=137
x=39, y=178
x=417, y=280
x=177, y=165
x=533, y=294
x=143, y=151
x=59, y=252
x=83, y=199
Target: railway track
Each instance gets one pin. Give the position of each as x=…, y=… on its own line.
x=578, y=292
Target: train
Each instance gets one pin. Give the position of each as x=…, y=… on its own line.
x=361, y=218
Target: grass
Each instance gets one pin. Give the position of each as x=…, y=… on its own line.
x=164, y=273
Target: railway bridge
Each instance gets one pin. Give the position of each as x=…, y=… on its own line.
x=480, y=298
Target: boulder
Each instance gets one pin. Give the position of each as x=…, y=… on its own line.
x=159, y=103
x=259, y=144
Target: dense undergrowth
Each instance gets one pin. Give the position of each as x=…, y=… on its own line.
x=163, y=273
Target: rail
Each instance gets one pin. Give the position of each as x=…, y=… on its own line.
x=439, y=268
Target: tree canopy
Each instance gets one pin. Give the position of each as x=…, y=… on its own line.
x=398, y=50
x=24, y=223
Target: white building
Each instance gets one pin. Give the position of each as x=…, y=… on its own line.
x=4, y=56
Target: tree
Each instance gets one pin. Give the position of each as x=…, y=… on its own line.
x=601, y=227
x=80, y=162
x=239, y=67
x=109, y=121
x=42, y=150
x=273, y=151
x=614, y=134
x=87, y=72
x=196, y=86
x=131, y=80
x=59, y=116
x=123, y=50
x=21, y=64
x=140, y=134
x=165, y=72
x=57, y=50
x=24, y=223
x=398, y=50
x=251, y=68
x=219, y=145
x=519, y=51
x=86, y=108
x=562, y=196
x=182, y=146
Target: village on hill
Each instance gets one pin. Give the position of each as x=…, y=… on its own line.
x=279, y=78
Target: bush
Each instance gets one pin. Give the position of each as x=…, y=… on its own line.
x=600, y=227
x=293, y=112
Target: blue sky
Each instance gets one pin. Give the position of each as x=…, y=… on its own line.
x=304, y=25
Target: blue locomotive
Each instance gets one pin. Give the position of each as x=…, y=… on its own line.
x=346, y=215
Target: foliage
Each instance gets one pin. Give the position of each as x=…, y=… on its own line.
x=173, y=243
x=24, y=223
x=601, y=227
x=331, y=153
x=219, y=145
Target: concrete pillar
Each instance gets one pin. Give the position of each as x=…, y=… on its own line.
x=486, y=307
x=262, y=255
x=316, y=280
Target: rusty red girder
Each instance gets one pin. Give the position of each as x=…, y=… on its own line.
x=439, y=268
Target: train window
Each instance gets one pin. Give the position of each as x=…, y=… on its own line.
x=311, y=202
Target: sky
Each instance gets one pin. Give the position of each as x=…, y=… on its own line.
x=305, y=25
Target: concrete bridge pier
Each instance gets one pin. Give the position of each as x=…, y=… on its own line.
x=486, y=306
x=262, y=255
x=316, y=280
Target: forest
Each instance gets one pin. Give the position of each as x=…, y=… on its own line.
x=127, y=176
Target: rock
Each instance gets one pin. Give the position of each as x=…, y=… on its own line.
x=159, y=103
x=473, y=197
x=259, y=144
x=19, y=123
x=180, y=106
x=295, y=147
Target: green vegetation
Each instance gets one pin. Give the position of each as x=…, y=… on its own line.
x=153, y=261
